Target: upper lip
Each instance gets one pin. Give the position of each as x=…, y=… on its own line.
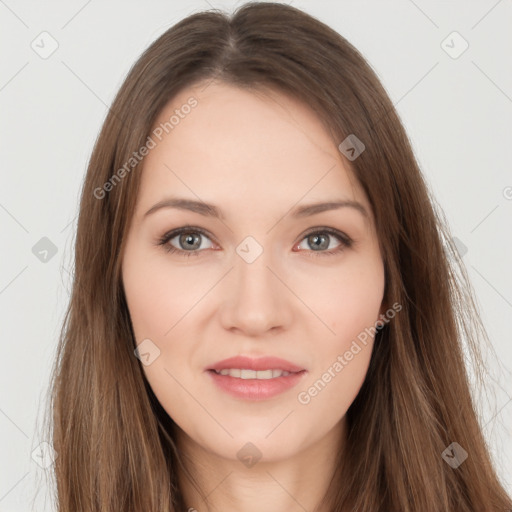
x=260, y=363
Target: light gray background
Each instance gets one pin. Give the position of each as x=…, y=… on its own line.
x=457, y=112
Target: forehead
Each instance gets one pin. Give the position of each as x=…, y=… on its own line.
x=244, y=148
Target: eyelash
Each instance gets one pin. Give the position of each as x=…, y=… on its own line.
x=345, y=241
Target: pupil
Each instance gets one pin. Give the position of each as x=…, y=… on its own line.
x=316, y=239
x=189, y=241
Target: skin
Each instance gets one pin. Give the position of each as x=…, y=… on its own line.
x=256, y=156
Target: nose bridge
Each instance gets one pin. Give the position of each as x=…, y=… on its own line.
x=253, y=275
x=254, y=298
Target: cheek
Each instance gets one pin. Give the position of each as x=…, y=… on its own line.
x=347, y=300
x=159, y=298
x=343, y=355
x=159, y=295
x=348, y=303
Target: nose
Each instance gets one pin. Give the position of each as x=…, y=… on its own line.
x=255, y=298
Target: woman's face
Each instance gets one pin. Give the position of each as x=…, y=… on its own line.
x=251, y=276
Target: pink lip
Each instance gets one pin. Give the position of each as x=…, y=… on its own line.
x=261, y=363
x=255, y=389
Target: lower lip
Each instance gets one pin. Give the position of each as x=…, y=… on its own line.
x=256, y=389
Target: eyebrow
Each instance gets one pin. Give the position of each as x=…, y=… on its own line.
x=210, y=210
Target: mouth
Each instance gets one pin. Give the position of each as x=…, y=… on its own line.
x=246, y=374
x=252, y=385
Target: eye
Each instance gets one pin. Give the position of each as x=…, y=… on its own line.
x=321, y=238
x=188, y=237
x=189, y=241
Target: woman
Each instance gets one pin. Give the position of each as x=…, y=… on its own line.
x=309, y=355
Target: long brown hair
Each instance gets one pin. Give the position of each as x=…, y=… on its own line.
x=114, y=442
